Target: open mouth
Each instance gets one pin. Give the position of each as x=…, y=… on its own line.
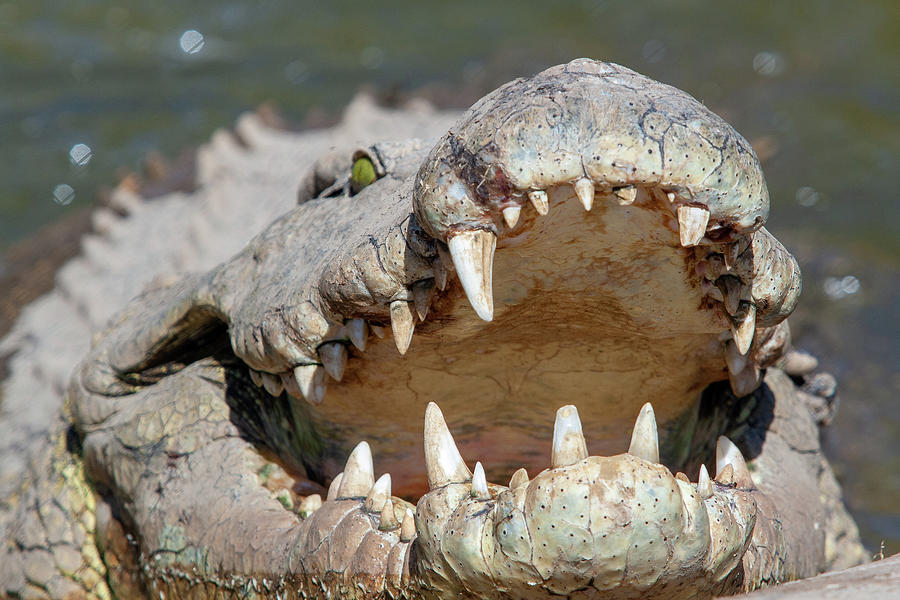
x=584, y=238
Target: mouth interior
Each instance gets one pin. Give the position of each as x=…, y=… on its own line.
x=601, y=309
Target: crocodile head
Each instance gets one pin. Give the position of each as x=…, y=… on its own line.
x=564, y=273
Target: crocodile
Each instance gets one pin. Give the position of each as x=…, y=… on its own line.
x=570, y=290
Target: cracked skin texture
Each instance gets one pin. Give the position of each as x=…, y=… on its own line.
x=201, y=480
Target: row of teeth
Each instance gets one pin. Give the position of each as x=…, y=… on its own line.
x=472, y=257
x=444, y=465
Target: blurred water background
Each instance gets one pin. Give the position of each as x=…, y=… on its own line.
x=88, y=87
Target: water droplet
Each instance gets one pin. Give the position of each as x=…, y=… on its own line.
x=191, y=41
x=768, y=63
x=654, y=51
x=807, y=197
x=840, y=287
x=63, y=194
x=80, y=155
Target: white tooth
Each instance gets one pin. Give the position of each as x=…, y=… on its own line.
x=731, y=252
x=356, y=331
x=726, y=475
x=670, y=196
x=290, y=385
x=309, y=379
x=443, y=463
x=319, y=392
x=378, y=331
x=745, y=382
x=540, y=201
x=519, y=478
x=626, y=195
x=256, y=378
x=704, y=485
x=334, y=487
x=440, y=273
x=692, y=221
x=743, y=326
x=380, y=492
x=388, y=521
x=644, y=437
x=473, y=259
x=569, y=446
x=334, y=358
x=272, y=383
x=729, y=454
x=310, y=504
x=735, y=361
x=710, y=289
x=359, y=473
x=408, y=527
x=403, y=322
x=584, y=189
x=422, y=292
x=732, y=288
x=511, y=215
x=682, y=477
x=479, y=483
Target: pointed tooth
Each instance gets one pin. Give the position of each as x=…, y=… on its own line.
x=744, y=382
x=310, y=380
x=272, y=383
x=727, y=454
x=334, y=359
x=408, y=526
x=540, y=201
x=731, y=252
x=359, y=473
x=443, y=463
x=569, y=446
x=290, y=385
x=511, y=215
x=682, y=477
x=256, y=378
x=403, y=322
x=422, y=292
x=519, y=478
x=692, y=221
x=310, y=504
x=378, y=331
x=644, y=437
x=735, y=361
x=356, y=331
x=626, y=195
x=388, y=520
x=704, y=485
x=670, y=196
x=319, y=393
x=743, y=326
x=440, y=273
x=334, y=487
x=473, y=259
x=479, y=483
x=584, y=189
x=732, y=289
x=379, y=493
x=710, y=289
x=726, y=475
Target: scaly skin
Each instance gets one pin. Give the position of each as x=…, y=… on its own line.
x=667, y=285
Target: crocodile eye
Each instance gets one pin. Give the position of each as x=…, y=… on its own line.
x=362, y=174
